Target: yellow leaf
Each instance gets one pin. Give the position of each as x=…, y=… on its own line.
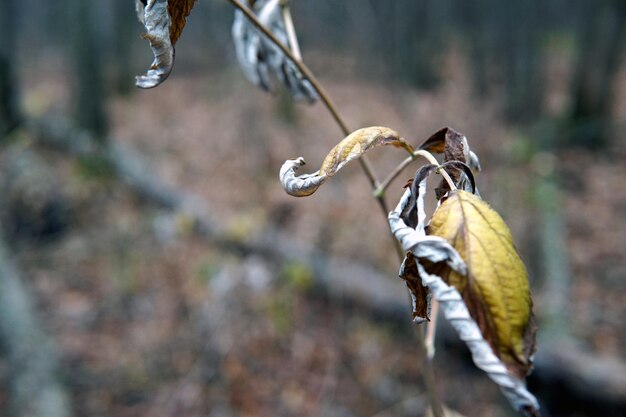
x=359, y=142
x=495, y=288
x=350, y=148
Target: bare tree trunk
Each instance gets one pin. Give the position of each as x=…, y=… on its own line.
x=9, y=117
x=476, y=18
x=124, y=21
x=90, y=114
x=555, y=262
x=524, y=72
x=34, y=386
x=599, y=59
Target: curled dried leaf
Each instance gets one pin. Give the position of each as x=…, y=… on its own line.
x=455, y=148
x=359, y=142
x=410, y=211
x=301, y=186
x=164, y=21
x=349, y=149
x=419, y=246
x=261, y=60
x=420, y=295
x=431, y=256
x=456, y=312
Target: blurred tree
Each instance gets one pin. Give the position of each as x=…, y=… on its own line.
x=90, y=112
x=474, y=19
x=413, y=37
x=123, y=22
x=520, y=48
x=9, y=117
x=35, y=388
x=601, y=41
x=504, y=40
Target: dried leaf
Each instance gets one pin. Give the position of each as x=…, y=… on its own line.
x=419, y=293
x=420, y=247
x=437, y=254
x=454, y=147
x=410, y=211
x=178, y=10
x=164, y=21
x=359, y=142
x=260, y=59
x=496, y=288
x=349, y=149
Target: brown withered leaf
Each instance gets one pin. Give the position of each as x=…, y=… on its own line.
x=178, y=10
x=454, y=147
x=410, y=213
x=419, y=293
x=495, y=288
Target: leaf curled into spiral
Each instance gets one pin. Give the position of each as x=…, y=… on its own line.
x=164, y=21
x=352, y=147
x=495, y=289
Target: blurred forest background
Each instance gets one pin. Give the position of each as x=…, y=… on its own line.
x=151, y=265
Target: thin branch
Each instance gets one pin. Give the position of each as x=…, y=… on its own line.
x=429, y=376
x=306, y=72
x=431, y=331
x=380, y=190
x=298, y=63
x=364, y=161
x=291, y=31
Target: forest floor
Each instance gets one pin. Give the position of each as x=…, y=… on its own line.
x=151, y=320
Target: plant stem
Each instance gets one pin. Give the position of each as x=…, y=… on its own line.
x=380, y=191
x=291, y=31
x=429, y=375
x=330, y=106
x=364, y=161
x=431, y=330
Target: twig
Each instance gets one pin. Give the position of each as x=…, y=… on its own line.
x=431, y=330
x=365, y=165
x=330, y=106
x=364, y=161
x=291, y=31
x=380, y=190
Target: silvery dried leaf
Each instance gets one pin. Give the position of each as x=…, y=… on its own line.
x=261, y=59
x=164, y=21
x=423, y=252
